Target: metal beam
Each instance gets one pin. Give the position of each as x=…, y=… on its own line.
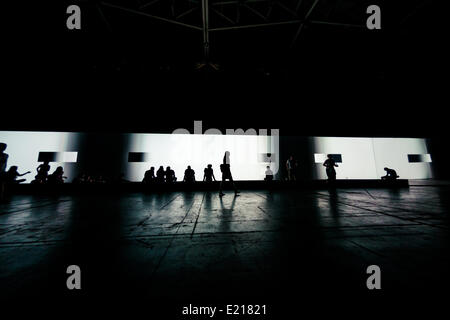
x=260, y=25
x=150, y=16
x=204, y=5
x=289, y=10
x=415, y=9
x=205, y=29
x=256, y=12
x=270, y=24
x=148, y=4
x=311, y=9
x=269, y=10
x=186, y=12
x=102, y=15
x=300, y=28
x=220, y=14
x=221, y=3
x=338, y=24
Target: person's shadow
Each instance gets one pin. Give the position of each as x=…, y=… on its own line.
x=226, y=215
x=334, y=203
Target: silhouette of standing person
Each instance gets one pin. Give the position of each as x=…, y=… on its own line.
x=3, y=162
x=149, y=176
x=3, y=157
x=226, y=174
x=12, y=174
x=208, y=174
x=291, y=168
x=189, y=175
x=330, y=164
x=42, y=172
x=391, y=175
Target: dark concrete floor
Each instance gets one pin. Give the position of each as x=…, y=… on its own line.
x=260, y=247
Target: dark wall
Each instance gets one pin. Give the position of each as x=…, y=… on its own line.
x=299, y=148
x=102, y=154
x=440, y=155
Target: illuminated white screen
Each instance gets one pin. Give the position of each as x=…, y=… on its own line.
x=366, y=158
x=357, y=157
x=68, y=157
x=180, y=150
x=320, y=157
x=393, y=153
x=362, y=158
x=248, y=153
x=24, y=147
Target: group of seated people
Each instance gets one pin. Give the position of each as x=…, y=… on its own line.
x=162, y=176
x=42, y=177
x=168, y=175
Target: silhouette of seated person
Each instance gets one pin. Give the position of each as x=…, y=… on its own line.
x=208, y=175
x=330, y=164
x=269, y=174
x=189, y=175
x=170, y=175
x=11, y=175
x=42, y=172
x=160, y=175
x=391, y=175
x=57, y=177
x=149, y=176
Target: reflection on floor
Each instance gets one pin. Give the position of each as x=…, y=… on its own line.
x=196, y=245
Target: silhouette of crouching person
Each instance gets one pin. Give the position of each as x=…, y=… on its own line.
x=57, y=177
x=391, y=175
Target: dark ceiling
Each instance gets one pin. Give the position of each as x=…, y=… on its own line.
x=310, y=67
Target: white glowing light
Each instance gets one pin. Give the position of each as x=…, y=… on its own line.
x=362, y=158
